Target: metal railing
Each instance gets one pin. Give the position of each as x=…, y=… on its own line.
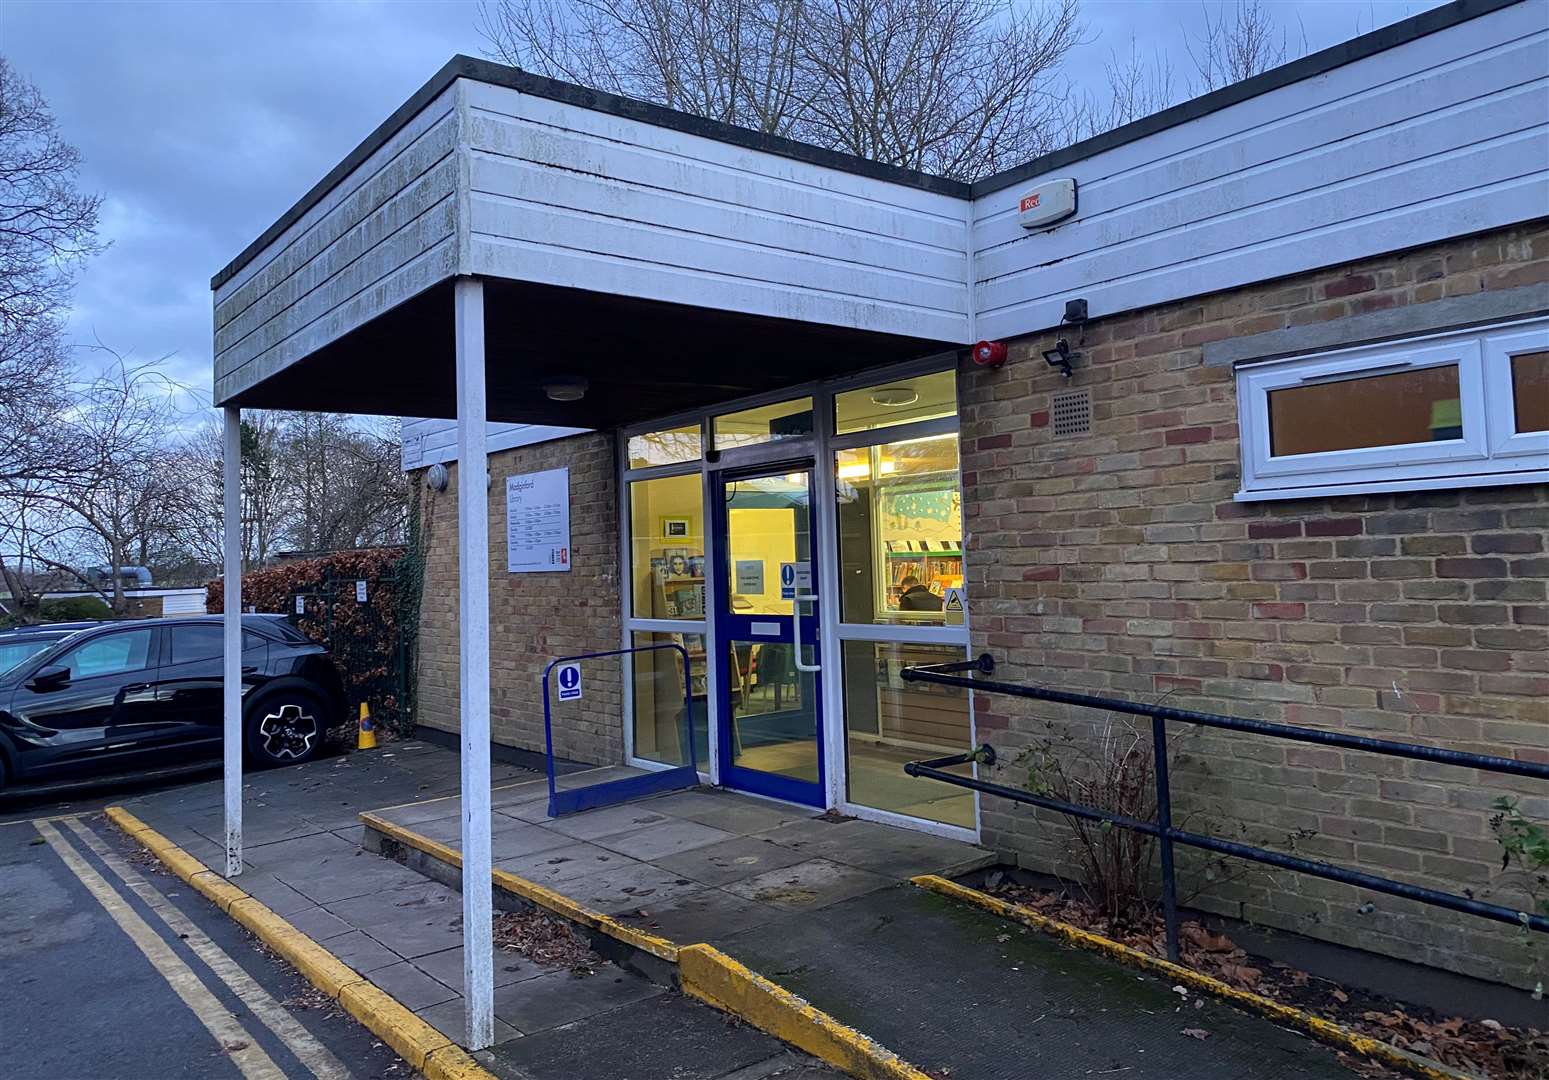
x=1167, y=836
x=612, y=792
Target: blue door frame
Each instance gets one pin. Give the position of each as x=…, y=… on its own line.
x=733, y=627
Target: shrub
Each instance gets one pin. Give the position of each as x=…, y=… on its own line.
x=365, y=638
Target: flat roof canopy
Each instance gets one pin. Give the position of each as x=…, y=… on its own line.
x=641, y=358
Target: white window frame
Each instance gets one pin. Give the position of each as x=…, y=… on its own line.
x=1489, y=452
x=1505, y=439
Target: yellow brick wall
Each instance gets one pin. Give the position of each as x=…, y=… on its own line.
x=1118, y=564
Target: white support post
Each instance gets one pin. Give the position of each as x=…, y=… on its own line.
x=473, y=665
x=231, y=549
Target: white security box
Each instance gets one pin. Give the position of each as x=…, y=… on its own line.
x=1051, y=201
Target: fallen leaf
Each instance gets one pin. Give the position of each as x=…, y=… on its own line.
x=1196, y=1033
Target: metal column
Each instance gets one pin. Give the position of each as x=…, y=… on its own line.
x=473, y=656
x=231, y=687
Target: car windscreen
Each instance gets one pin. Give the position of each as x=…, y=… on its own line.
x=14, y=652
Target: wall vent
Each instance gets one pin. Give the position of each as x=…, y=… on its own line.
x=1071, y=413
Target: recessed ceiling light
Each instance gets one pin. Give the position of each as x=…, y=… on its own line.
x=565, y=388
x=894, y=396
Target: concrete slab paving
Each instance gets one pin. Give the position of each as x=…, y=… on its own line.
x=447, y=967
x=414, y=920
x=318, y=923
x=362, y=952
x=628, y=888
x=558, y=866
x=710, y=915
x=730, y=860
x=608, y=821
x=448, y=1019
x=562, y=997
x=667, y=837
x=411, y=986
x=808, y=886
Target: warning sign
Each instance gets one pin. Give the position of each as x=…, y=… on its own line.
x=954, y=606
x=795, y=577
x=569, y=679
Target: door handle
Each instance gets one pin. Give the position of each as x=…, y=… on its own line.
x=803, y=598
x=251, y=669
x=136, y=688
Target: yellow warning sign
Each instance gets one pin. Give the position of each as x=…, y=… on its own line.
x=953, y=607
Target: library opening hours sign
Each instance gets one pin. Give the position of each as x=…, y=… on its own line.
x=538, y=522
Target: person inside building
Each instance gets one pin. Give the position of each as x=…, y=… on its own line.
x=916, y=597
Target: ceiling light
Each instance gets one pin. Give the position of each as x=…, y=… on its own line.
x=565, y=388
x=894, y=396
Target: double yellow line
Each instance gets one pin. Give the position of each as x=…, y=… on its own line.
x=239, y=1045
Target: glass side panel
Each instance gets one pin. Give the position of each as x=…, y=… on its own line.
x=888, y=722
x=767, y=423
x=1376, y=410
x=659, y=690
x=665, y=447
x=667, y=548
x=900, y=518
x=903, y=401
x=1530, y=390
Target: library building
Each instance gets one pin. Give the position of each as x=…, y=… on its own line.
x=1242, y=408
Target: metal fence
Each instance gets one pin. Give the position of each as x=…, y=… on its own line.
x=969, y=675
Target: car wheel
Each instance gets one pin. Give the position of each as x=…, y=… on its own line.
x=286, y=728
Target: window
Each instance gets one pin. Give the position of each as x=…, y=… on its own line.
x=111, y=654
x=767, y=423
x=1455, y=410
x=15, y=652
x=888, y=722
x=659, y=689
x=205, y=641
x=903, y=401
x=667, y=547
x=666, y=447
x=900, y=523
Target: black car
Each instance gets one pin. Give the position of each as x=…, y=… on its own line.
x=128, y=695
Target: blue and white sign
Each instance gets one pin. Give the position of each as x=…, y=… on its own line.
x=795, y=577
x=569, y=679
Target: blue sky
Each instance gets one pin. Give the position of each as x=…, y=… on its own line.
x=202, y=122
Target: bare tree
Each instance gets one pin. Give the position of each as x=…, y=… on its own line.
x=119, y=490
x=731, y=61
x=1137, y=86
x=1237, y=43
x=344, y=481
x=955, y=87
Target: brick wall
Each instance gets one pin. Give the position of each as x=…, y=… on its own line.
x=1118, y=563
x=533, y=617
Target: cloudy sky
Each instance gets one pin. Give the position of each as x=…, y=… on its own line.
x=201, y=122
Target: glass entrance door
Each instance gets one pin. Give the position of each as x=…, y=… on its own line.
x=767, y=630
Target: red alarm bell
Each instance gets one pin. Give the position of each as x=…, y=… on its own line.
x=990, y=353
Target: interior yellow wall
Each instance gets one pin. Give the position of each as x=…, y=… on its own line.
x=768, y=535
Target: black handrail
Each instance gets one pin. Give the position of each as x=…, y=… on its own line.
x=1162, y=828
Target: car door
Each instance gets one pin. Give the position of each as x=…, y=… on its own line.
x=80, y=719
x=189, y=695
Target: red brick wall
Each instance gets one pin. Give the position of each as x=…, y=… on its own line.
x=533, y=617
x=1118, y=563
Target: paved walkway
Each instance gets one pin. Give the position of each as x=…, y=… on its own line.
x=818, y=904
x=303, y=858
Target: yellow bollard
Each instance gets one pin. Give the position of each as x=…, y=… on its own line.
x=367, y=738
